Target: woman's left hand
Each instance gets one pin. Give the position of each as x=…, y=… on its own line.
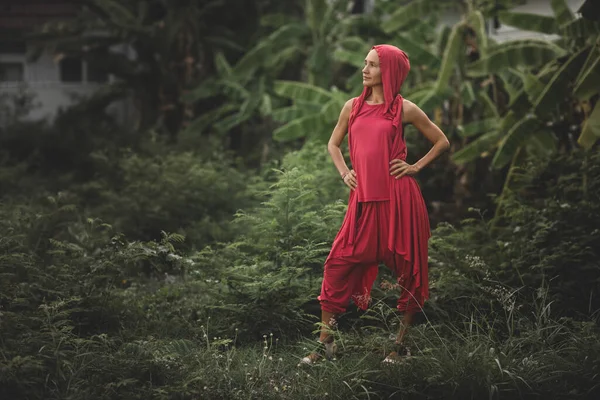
x=399, y=168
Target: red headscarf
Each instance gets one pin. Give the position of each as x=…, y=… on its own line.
x=394, y=66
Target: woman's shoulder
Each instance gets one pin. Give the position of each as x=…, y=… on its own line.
x=348, y=105
x=409, y=110
x=347, y=109
x=407, y=103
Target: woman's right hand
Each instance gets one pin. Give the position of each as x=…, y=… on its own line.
x=350, y=180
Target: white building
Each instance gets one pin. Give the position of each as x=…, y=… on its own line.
x=56, y=82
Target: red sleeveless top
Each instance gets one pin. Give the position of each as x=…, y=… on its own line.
x=373, y=143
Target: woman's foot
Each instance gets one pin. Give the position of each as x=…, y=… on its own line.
x=399, y=352
x=326, y=350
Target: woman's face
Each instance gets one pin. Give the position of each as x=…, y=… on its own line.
x=371, y=72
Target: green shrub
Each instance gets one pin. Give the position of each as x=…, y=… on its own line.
x=549, y=231
x=173, y=192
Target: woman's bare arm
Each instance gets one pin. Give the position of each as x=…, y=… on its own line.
x=414, y=115
x=337, y=136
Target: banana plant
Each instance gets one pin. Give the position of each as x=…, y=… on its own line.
x=246, y=97
x=534, y=75
x=313, y=37
x=251, y=85
x=587, y=85
x=315, y=110
x=307, y=117
x=313, y=113
x=547, y=72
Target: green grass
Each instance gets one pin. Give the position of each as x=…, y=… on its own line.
x=469, y=359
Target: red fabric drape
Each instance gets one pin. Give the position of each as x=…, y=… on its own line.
x=407, y=229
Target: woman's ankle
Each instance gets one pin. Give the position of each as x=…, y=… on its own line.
x=326, y=339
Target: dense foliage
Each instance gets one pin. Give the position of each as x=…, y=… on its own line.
x=98, y=313
x=180, y=257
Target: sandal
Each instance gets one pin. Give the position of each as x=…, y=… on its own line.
x=400, y=351
x=322, y=349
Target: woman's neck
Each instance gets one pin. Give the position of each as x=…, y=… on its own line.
x=376, y=95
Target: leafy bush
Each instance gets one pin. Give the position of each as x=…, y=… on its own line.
x=172, y=192
x=550, y=231
x=58, y=272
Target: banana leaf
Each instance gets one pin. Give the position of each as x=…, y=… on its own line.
x=302, y=91
x=591, y=129
x=556, y=89
x=480, y=147
x=309, y=125
x=529, y=53
x=561, y=11
x=515, y=137
x=587, y=83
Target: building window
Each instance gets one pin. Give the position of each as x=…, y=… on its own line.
x=75, y=70
x=12, y=47
x=95, y=74
x=71, y=70
x=12, y=72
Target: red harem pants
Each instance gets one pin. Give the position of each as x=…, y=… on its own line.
x=349, y=276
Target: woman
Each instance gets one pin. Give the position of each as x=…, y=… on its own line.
x=386, y=221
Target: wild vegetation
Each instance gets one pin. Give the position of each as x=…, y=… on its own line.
x=180, y=256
